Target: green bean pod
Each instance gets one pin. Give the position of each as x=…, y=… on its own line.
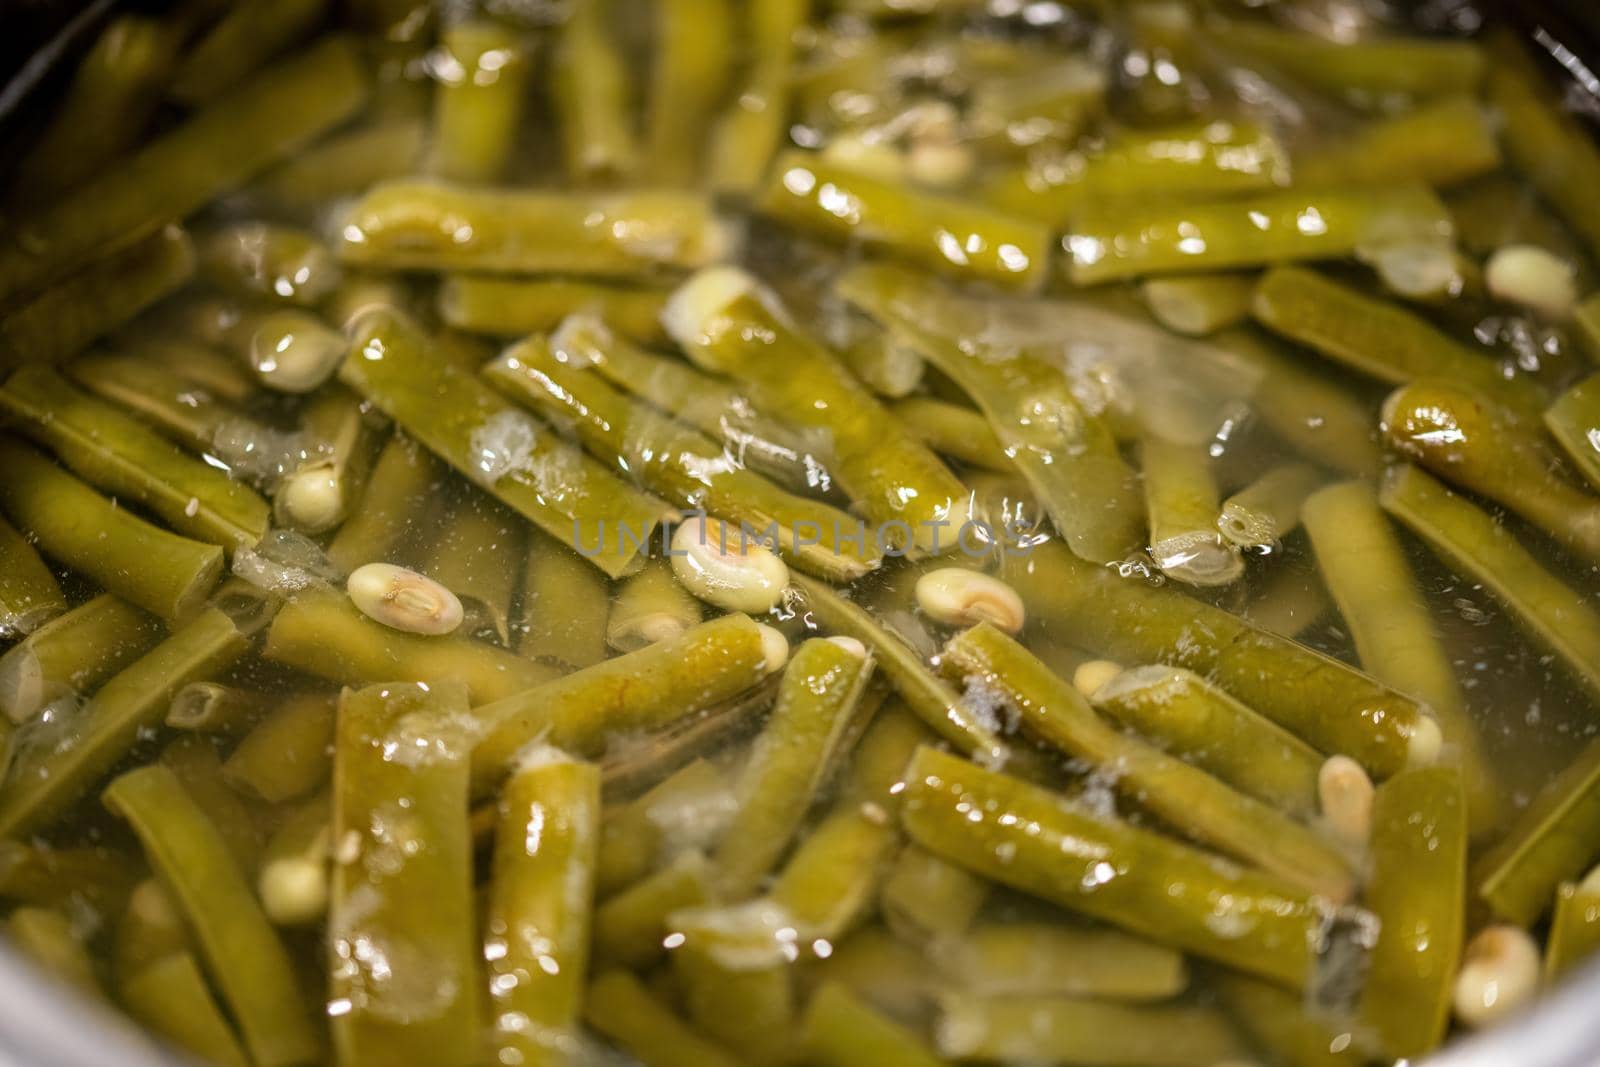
x=402, y=942
x=1418, y=893
x=928, y=901
x=629, y=926
x=693, y=61
x=268, y=261
x=884, y=972
x=482, y=74
x=1290, y=602
x=267, y=118
x=1278, y=1021
x=242, y=951
x=952, y=430
x=73, y=654
x=181, y=409
x=1068, y=456
x=650, y=606
x=249, y=34
x=343, y=164
x=1574, y=421
x=746, y=1004
x=1552, y=841
x=1182, y=795
x=1038, y=843
x=477, y=546
x=1062, y=1030
x=288, y=754
x=150, y=928
x=1181, y=499
x=537, y=939
x=516, y=307
x=121, y=456
x=1574, y=929
x=1061, y=959
x=170, y=997
x=620, y=1008
x=341, y=444
x=561, y=612
x=1199, y=305
x=47, y=938
x=754, y=126
x=828, y=883
x=1366, y=72
x=86, y=879
x=1443, y=142
x=1474, y=544
x=496, y=446
x=1268, y=509
x=1331, y=705
x=838, y=1030
x=194, y=760
x=392, y=510
x=30, y=596
x=212, y=709
x=590, y=86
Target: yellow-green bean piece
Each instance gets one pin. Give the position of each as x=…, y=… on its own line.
x=1574, y=928
x=1552, y=841
x=497, y=446
x=269, y=262
x=344, y=164
x=754, y=126
x=838, y=1030
x=391, y=514
x=194, y=760
x=30, y=596
x=692, y=63
x=619, y=1007
x=1417, y=890
x=952, y=430
x=1278, y=1021
x=171, y=998
x=91, y=880
x=537, y=930
x=1268, y=509
x=481, y=73
x=73, y=654
x=1574, y=421
x=629, y=926
x=212, y=709
x=1443, y=142
x=1474, y=544
x=403, y=949
x=241, y=950
x=650, y=606
x=1181, y=500
x=591, y=87
x=515, y=307
x=193, y=414
x=999, y=959
x=296, y=869
x=747, y=1004
x=250, y=33
x=827, y=885
x=1063, y=1030
x=48, y=939
x=288, y=754
x=561, y=612
x=928, y=901
x=1369, y=72
x=340, y=441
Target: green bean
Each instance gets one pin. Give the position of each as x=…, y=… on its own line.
x=1444, y=142
x=323, y=633
x=341, y=444
x=1316, y=415
x=952, y=430
x=170, y=997
x=288, y=754
x=1290, y=602
x=793, y=757
x=482, y=73
x=267, y=118
x=650, y=606
x=747, y=1005
x=1418, y=893
x=590, y=87
x=1061, y=1030
x=728, y=323
x=151, y=928
x=103, y=112
x=240, y=948
x=928, y=696
x=630, y=768
x=1036, y=107
x=194, y=760
x=755, y=124
x=1574, y=421
x=537, y=939
x=1268, y=509
x=1182, y=795
x=1367, y=72
x=88, y=880
x=937, y=232
x=629, y=925
x=561, y=614
x=61, y=321
x=927, y=901
x=392, y=506
x=73, y=654
x=212, y=709
x=838, y=1030
x=30, y=596
x=1187, y=716
x=1377, y=338
x=497, y=447
x=1031, y=959
x=671, y=459
x=620, y=1008
x=1114, y=242
x=179, y=408
x=712, y=662
x=248, y=35
x=121, y=456
x=1037, y=842
x=883, y=971
x=1332, y=706
x=1199, y=305
x=47, y=938
x=1552, y=841
x=685, y=810
x=1181, y=498
x=1474, y=544
x=1574, y=929
x=344, y=164
x=293, y=880
x=1069, y=457
x=402, y=941
x=268, y=261
x=515, y=307
x=692, y=62
x=827, y=885
x=477, y=545
x=159, y=571
x=1279, y=1023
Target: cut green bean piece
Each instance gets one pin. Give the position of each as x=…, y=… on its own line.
x=212, y=709
x=561, y=614
x=271, y=262
x=1068, y=456
x=392, y=512
x=755, y=124
x=179, y=407
x=171, y=998
x=477, y=546
x=685, y=810
x=799, y=749
x=1062, y=1030
x=1418, y=893
x=650, y=606
x=482, y=73
x=108, y=293
x=1445, y=142
x=403, y=949
x=414, y=224
x=288, y=754
x=1475, y=545
x=1367, y=72
x=1377, y=338
x=928, y=696
x=1181, y=499
x=1114, y=242
x=669, y=458
x=999, y=959
x=344, y=164
x=629, y=926
x=1331, y=705
x=928, y=901
x=194, y=760
x=267, y=118
x=952, y=430
x=119, y=455
x=1574, y=929
x=1551, y=842
x=73, y=654
x=1185, y=715
x=537, y=929
x=91, y=880
x=590, y=87
x=249, y=34
x=1268, y=509
x=496, y=446
x=883, y=971
x=746, y=1004
x=838, y=1030
x=1574, y=421
x=692, y=62
x=1279, y=1023
x=827, y=885
x=1182, y=795
x=323, y=633
x=1290, y=602
x=711, y=663
x=295, y=866
x=1200, y=305
x=46, y=782
x=1042, y=844
x=340, y=444
x=516, y=307
x=941, y=233
x=620, y=1008
x=1365, y=568
x=30, y=596
x=242, y=952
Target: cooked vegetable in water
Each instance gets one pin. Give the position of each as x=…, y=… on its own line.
x=832, y=533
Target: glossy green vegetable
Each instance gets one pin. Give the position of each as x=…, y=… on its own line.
x=629, y=926
x=747, y=1004
x=47, y=938
x=171, y=998
x=242, y=952
x=340, y=443
x=481, y=83
x=194, y=760
x=952, y=430
x=1278, y=1021
x=561, y=615
x=73, y=653
x=928, y=901
x=1290, y=602
x=693, y=60
x=1574, y=929
x=752, y=128
x=343, y=164
x=30, y=596
x=403, y=946
x=1054, y=958
x=514, y=307
x=1574, y=421
x=1062, y=1030
x=477, y=544
x=214, y=710
x=193, y=414
x=1417, y=892
x=619, y=1007
x=1366, y=72
x=1552, y=841
x=591, y=86
x=650, y=606
x=392, y=510
x=293, y=881
x=838, y=1030
x=1268, y=509
x=1447, y=141
x=91, y=880
x=265, y=261
x=288, y=754
x=828, y=883
x=1181, y=500
x=250, y=33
